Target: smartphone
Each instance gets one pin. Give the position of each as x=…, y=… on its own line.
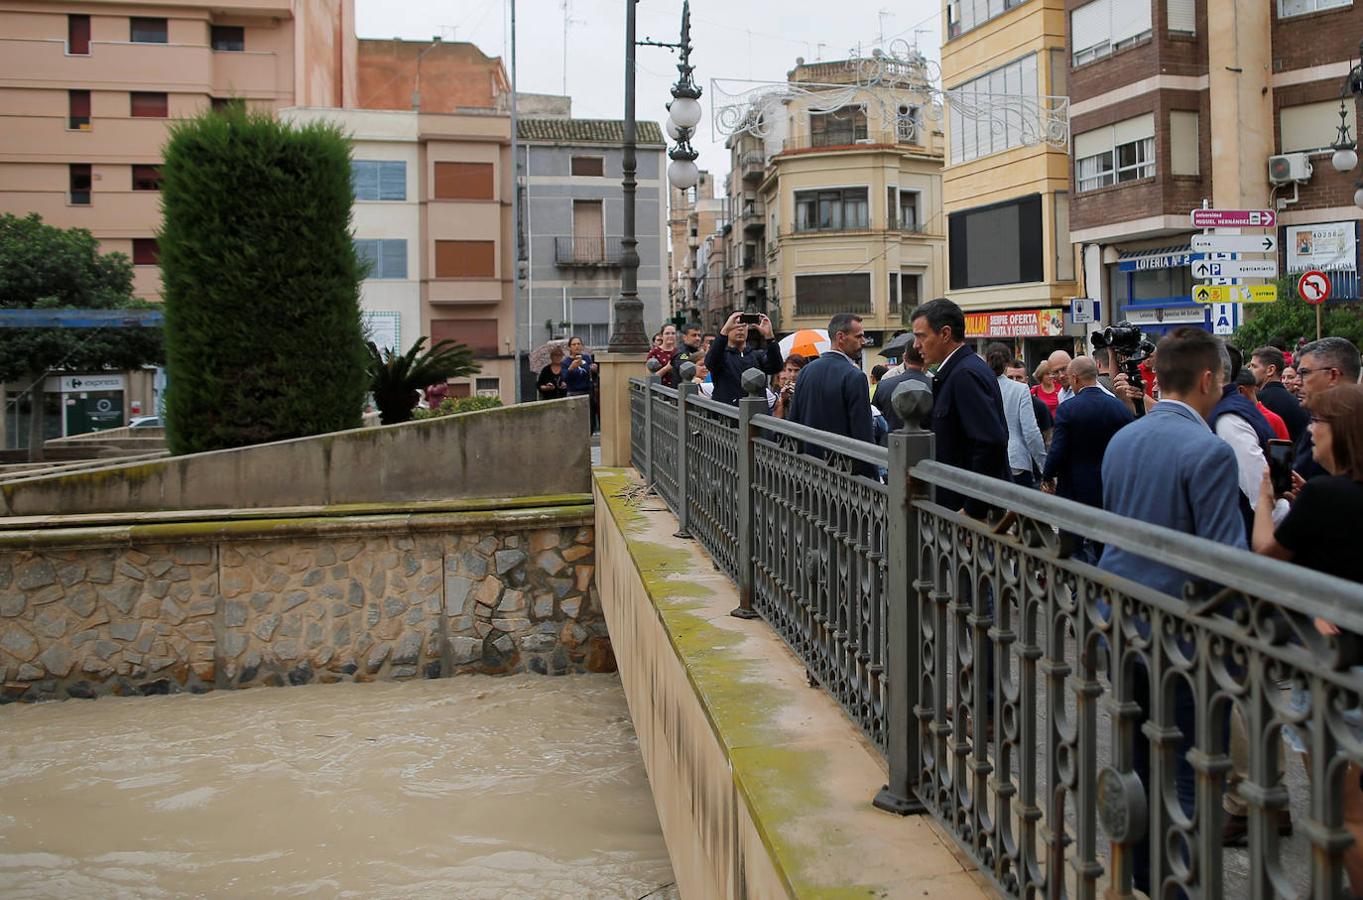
x=749, y=319
x=1280, y=458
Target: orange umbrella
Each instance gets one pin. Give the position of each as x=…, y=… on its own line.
x=808, y=342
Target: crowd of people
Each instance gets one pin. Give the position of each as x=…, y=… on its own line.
x=1263, y=454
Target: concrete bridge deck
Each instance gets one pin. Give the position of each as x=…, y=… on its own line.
x=762, y=784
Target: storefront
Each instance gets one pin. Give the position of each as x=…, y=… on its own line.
x=1153, y=288
x=1032, y=333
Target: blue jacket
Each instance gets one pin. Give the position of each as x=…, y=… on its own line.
x=967, y=419
x=831, y=395
x=1083, y=429
x=727, y=366
x=1169, y=468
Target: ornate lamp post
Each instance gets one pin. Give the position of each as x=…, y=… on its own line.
x=1346, y=150
x=628, y=333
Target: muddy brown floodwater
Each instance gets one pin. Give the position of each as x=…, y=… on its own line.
x=465, y=787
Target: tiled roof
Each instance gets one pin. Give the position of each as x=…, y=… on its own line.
x=586, y=131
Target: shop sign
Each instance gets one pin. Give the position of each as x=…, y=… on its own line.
x=74, y=384
x=1018, y=323
x=1167, y=261
x=1325, y=245
x=1179, y=315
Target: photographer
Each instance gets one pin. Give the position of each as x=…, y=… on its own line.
x=1128, y=351
x=730, y=356
x=785, y=384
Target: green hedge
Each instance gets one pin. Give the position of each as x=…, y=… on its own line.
x=261, y=282
x=453, y=405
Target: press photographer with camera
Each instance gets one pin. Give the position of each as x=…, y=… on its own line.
x=1126, y=348
x=731, y=354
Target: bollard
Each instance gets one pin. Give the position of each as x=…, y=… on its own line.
x=908, y=446
x=685, y=389
x=754, y=404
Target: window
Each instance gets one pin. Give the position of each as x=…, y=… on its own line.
x=479, y=335
x=487, y=387
x=149, y=104
x=146, y=178
x=78, y=35
x=1313, y=126
x=1115, y=153
x=1184, y=151
x=589, y=232
x=80, y=184
x=223, y=104
x=963, y=15
x=974, y=136
x=588, y=165
x=835, y=210
x=379, y=179
x=836, y=129
x=229, y=37
x=78, y=110
x=1105, y=26
x=908, y=211
x=894, y=293
x=145, y=252
x=463, y=181
x=1289, y=8
x=147, y=31
x=824, y=295
x=909, y=289
x=594, y=334
x=465, y=259
x=1182, y=17
x=386, y=258
x=997, y=244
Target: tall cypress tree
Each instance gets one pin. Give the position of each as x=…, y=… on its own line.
x=261, y=282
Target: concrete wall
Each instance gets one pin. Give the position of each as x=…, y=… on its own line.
x=482, y=454
x=204, y=604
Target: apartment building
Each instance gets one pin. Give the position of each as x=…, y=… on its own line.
x=747, y=235
x=692, y=213
x=87, y=92
x=1186, y=100
x=572, y=222
x=845, y=205
x=1005, y=189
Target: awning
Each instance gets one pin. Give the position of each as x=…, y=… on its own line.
x=1173, y=257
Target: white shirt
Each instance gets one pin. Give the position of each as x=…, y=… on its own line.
x=1067, y=393
x=1250, y=457
x=949, y=356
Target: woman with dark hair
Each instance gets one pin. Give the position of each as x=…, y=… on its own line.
x=784, y=383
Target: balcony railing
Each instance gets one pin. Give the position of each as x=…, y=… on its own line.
x=595, y=251
x=752, y=167
x=844, y=140
x=912, y=225
x=823, y=308
x=1046, y=713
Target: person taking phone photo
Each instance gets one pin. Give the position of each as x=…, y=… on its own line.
x=736, y=350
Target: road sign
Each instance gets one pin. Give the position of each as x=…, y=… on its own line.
x=1314, y=286
x=1233, y=218
x=1235, y=243
x=1225, y=318
x=1083, y=310
x=1240, y=268
x=1235, y=293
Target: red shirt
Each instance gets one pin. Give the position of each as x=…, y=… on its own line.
x=1052, y=400
x=1275, y=422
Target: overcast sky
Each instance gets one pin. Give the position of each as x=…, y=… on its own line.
x=733, y=39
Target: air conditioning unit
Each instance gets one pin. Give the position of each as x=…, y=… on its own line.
x=1289, y=167
x=866, y=140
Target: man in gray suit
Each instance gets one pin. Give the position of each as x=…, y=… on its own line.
x=1026, y=447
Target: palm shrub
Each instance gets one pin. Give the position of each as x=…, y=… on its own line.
x=395, y=379
x=261, y=282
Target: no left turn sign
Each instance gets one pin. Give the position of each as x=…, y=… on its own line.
x=1314, y=286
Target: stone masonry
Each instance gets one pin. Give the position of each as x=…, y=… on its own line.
x=365, y=604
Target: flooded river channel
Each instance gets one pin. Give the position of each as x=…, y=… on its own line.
x=466, y=787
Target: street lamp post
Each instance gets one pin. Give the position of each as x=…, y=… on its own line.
x=1346, y=150
x=627, y=335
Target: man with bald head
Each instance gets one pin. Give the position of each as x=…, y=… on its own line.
x=1062, y=371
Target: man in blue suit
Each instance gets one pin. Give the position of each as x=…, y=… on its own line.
x=831, y=393
x=1083, y=428
x=1169, y=468
x=967, y=407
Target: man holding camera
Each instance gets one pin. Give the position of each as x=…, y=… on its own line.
x=730, y=355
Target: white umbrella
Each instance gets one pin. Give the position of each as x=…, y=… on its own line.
x=808, y=342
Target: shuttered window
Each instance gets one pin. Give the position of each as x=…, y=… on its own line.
x=479, y=335
x=465, y=259
x=1100, y=27
x=80, y=178
x=463, y=181
x=146, y=252
x=78, y=110
x=145, y=30
x=78, y=35
x=1182, y=17
x=149, y=104
x=147, y=178
x=1115, y=153
x=1183, y=146
x=386, y=259
x=379, y=179
x=588, y=165
x=1313, y=126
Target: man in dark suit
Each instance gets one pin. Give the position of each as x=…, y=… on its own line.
x=831, y=393
x=732, y=354
x=1083, y=428
x=1267, y=364
x=913, y=371
x=967, y=407
x=1323, y=366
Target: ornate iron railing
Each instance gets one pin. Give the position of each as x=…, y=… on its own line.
x=664, y=430
x=638, y=411
x=1027, y=700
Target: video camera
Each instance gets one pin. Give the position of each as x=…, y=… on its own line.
x=1130, y=345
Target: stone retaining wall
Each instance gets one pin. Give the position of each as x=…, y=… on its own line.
x=94, y=611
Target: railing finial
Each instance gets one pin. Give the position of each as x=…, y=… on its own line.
x=912, y=402
x=754, y=382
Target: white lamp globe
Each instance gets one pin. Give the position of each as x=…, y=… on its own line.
x=685, y=112
x=672, y=130
x=1344, y=159
x=683, y=173
x=1358, y=197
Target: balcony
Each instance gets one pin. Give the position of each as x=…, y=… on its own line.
x=907, y=226
x=250, y=73
x=753, y=215
x=752, y=167
x=754, y=266
x=824, y=307
x=848, y=140
x=111, y=65
x=590, y=252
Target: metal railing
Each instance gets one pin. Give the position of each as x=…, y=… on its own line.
x=587, y=251
x=1025, y=699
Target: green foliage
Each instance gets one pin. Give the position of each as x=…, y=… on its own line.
x=395, y=379
x=1293, y=319
x=452, y=406
x=263, y=332
x=45, y=267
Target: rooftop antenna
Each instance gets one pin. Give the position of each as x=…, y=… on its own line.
x=449, y=32
x=568, y=22
x=818, y=52
x=882, y=16
x=916, y=33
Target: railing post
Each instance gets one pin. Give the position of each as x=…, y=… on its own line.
x=908, y=446
x=755, y=386
x=648, y=426
x=684, y=391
